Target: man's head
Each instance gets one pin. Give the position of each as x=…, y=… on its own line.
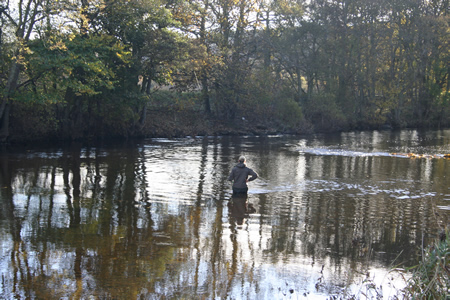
x=242, y=159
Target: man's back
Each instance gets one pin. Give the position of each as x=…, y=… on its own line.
x=239, y=175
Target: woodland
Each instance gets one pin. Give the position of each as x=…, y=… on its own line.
x=90, y=69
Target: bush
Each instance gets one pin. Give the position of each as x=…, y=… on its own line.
x=289, y=113
x=323, y=112
x=33, y=121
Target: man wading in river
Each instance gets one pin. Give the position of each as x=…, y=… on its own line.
x=239, y=175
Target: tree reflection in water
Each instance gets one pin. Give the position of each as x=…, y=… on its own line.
x=156, y=219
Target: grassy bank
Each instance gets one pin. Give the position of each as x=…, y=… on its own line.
x=431, y=277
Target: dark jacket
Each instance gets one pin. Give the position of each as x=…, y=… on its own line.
x=239, y=175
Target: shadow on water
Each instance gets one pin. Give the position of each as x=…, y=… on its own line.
x=156, y=219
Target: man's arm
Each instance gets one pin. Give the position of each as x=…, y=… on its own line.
x=253, y=174
x=231, y=176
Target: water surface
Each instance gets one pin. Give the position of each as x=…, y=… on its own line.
x=156, y=219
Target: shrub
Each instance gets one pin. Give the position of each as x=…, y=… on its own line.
x=323, y=112
x=289, y=113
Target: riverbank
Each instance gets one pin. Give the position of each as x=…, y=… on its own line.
x=36, y=125
x=160, y=123
x=181, y=124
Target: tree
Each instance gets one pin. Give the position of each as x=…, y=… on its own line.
x=147, y=28
x=20, y=18
x=197, y=22
x=232, y=38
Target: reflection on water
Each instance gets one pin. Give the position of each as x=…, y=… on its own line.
x=156, y=219
x=239, y=209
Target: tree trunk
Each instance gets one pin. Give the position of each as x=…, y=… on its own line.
x=204, y=72
x=4, y=122
x=143, y=117
x=205, y=94
x=73, y=119
x=11, y=85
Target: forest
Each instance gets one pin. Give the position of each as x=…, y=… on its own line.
x=89, y=69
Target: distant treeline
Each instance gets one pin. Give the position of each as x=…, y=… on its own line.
x=95, y=68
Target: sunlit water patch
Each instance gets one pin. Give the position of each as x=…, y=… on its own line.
x=351, y=189
x=341, y=152
x=355, y=153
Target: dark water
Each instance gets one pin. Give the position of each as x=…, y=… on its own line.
x=156, y=220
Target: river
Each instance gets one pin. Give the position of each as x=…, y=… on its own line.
x=329, y=215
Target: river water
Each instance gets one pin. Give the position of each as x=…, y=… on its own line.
x=330, y=215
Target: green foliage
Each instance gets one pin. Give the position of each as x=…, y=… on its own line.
x=261, y=97
x=289, y=112
x=323, y=112
x=431, y=278
x=336, y=65
x=121, y=112
x=270, y=103
x=288, y=12
x=34, y=121
x=175, y=100
x=86, y=65
x=5, y=59
x=165, y=52
x=148, y=28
